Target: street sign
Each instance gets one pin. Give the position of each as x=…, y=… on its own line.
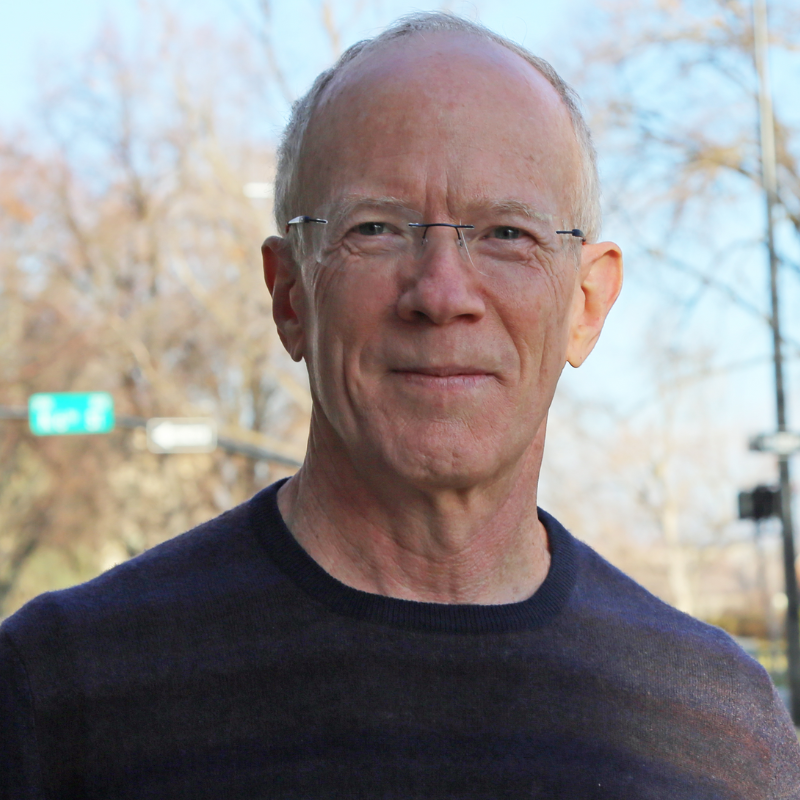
x=782, y=443
x=61, y=413
x=181, y=435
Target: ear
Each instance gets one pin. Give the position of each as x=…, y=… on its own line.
x=600, y=281
x=281, y=274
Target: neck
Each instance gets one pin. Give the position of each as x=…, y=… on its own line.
x=483, y=544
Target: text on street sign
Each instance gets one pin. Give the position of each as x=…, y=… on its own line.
x=60, y=413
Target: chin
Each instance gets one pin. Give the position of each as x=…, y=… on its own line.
x=438, y=461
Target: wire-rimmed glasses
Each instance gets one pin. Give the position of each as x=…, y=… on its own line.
x=367, y=236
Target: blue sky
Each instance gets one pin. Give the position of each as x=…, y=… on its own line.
x=30, y=31
x=33, y=31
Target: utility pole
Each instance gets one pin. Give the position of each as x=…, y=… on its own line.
x=769, y=182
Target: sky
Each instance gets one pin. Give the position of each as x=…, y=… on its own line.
x=29, y=31
x=34, y=30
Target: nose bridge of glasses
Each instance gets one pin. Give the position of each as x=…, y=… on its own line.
x=422, y=229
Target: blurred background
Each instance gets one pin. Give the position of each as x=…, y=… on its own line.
x=137, y=148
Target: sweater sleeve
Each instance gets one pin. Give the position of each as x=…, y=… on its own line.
x=785, y=754
x=20, y=774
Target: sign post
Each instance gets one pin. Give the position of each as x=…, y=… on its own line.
x=60, y=413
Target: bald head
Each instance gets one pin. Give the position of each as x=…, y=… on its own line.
x=459, y=71
x=451, y=99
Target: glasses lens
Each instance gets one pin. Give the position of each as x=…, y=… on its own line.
x=380, y=236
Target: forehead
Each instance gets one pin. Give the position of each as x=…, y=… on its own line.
x=444, y=110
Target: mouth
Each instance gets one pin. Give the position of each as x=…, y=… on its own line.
x=448, y=378
x=444, y=371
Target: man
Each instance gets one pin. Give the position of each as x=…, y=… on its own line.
x=398, y=620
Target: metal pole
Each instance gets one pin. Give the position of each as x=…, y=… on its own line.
x=769, y=181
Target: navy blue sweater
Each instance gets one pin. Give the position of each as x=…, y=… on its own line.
x=227, y=664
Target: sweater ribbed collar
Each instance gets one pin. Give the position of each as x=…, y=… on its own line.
x=312, y=579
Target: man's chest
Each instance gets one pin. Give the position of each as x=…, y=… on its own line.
x=344, y=713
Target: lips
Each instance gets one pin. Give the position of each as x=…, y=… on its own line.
x=445, y=371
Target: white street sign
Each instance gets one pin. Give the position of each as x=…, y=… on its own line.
x=782, y=443
x=181, y=435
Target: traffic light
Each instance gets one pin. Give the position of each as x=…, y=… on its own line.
x=760, y=503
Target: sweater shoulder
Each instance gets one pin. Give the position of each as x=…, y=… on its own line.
x=662, y=655
x=211, y=560
x=608, y=598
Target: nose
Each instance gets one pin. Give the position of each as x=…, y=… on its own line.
x=442, y=284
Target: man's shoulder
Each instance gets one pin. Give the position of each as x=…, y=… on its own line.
x=192, y=570
x=677, y=682
x=647, y=629
x=614, y=605
x=606, y=591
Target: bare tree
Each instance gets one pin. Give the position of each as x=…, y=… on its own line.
x=129, y=263
x=671, y=87
x=674, y=99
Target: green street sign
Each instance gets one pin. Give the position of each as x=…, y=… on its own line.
x=70, y=412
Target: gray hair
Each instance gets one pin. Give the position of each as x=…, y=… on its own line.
x=288, y=195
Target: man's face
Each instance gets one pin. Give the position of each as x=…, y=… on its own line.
x=432, y=367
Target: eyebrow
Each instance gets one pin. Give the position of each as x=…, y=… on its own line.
x=350, y=203
x=509, y=206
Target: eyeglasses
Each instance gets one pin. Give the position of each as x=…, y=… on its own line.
x=485, y=246
x=576, y=232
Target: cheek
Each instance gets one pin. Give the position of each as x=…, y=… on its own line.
x=347, y=312
x=539, y=327
x=319, y=303
x=541, y=308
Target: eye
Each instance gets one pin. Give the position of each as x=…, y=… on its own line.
x=506, y=232
x=372, y=228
